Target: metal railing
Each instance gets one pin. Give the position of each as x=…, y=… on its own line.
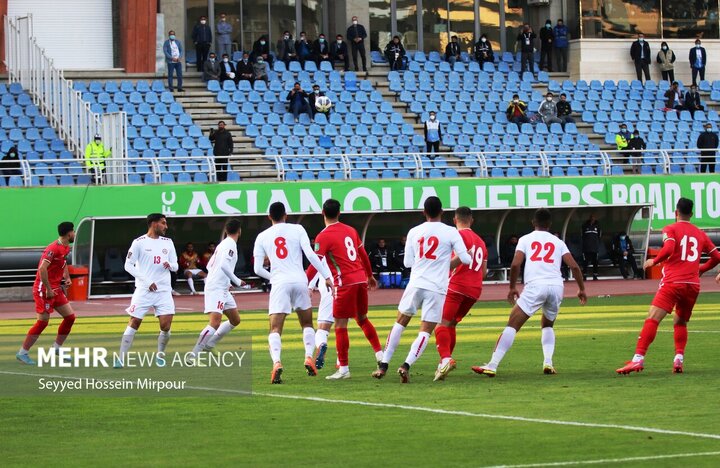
x=29, y=65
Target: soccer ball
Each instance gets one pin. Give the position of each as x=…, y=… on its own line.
x=323, y=104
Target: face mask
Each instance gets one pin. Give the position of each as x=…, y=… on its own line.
x=622, y=237
x=548, y=26
x=287, y=37
x=483, y=40
x=212, y=59
x=339, y=41
x=636, y=135
x=317, y=91
x=245, y=59
x=172, y=37
x=623, y=130
x=262, y=42
x=222, y=19
x=355, y=22
x=97, y=142
x=322, y=39
x=302, y=38
x=12, y=155
x=516, y=101
x=664, y=48
x=708, y=129
x=432, y=117
x=548, y=99
x=259, y=60
x=641, y=39
x=225, y=60
x=203, y=22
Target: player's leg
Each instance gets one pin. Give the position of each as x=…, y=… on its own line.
x=207, y=333
x=191, y=283
x=432, y=307
x=277, y=321
x=342, y=344
x=367, y=327
x=164, y=311
x=518, y=316
x=325, y=322
x=393, y=339
x=68, y=315
x=33, y=334
x=306, y=324
x=658, y=311
x=233, y=320
x=547, y=339
x=165, y=322
x=683, y=312
x=129, y=336
x=443, y=333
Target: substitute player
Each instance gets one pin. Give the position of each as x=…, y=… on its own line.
x=543, y=254
x=218, y=300
x=150, y=260
x=463, y=291
x=352, y=274
x=284, y=244
x=683, y=244
x=190, y=263
x=325, y=318
x=428, y=252
x=51, y=274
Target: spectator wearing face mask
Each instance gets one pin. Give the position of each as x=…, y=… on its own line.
x=304, y=49
x=298, y=102
x=692, y=101
x=666, y=59
x=622, y=138
x=698, y=60
x=173, y=51
x=394, y=53
x=339, y=52
x=244, y=69
x=322, y=50
x=564, y=111
x=707, y=142
x=316, y=93
x=223, y=31
x=562, y=42
x=526, y=41
x=223, y=145
x=452, y=51
x=635, y=145
x=211, y=69
x=202, y=37
x=548, y=111
x=624, y=254
x=547, y=43
x=483, y=51
x=227, y=70
x=260, y=69
x=640, y=54
x=433, y=134
x=286, y=48
x=517, y=111
x=674, y=98
x=11, y=163
x=261, y=49
x=356, y=34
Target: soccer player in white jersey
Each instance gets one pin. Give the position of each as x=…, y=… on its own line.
x=284, y=244
x=218, y=299
x=150, y=260
x=543, y=254
x=325, y=319
x=428, y=252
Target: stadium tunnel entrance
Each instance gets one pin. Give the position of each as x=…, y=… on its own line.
x=101, y=243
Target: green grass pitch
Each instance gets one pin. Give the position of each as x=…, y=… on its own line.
x=330, y=423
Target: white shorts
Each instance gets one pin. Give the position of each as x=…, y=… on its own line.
x=143, y=301
x=218, y=301
x=430, y=302
x=194, y=271
x=289, y=298
x=545, y=296
x=325, y=308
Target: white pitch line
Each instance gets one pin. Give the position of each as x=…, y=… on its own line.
x=612, y=330
x=612, y=460
x=427, y=410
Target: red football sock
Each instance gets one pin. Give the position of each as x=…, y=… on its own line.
x=453, y=337
x=64, y=329
x=647, y=336
x=34, y=333
x=370, y=333
x=342, y=343
x=443, y=341
x=681, y=337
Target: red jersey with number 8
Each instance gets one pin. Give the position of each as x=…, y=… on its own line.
x=343, y=250
x=55, y=254
x=685, y=244
x=467, y=279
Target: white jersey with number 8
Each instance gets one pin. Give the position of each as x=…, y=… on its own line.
x=284, y=244
x=543, y=257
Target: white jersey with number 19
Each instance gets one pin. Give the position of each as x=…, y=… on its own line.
x=543, y=257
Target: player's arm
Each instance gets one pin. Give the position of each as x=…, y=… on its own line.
x=458, y=245
x=172, y=263
x=455, y=262
x=228, y=270
x=577, y=274
x=131, y=262
x=365, y=259
x=667, y=249
x=714, y=257
x=66, y=275
x=409, y=258
x=313, y=258
x=259, y=261
x=320, y=250
x=515, y=266
x=45, y=279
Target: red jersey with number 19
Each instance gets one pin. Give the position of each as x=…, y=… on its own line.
x=467, y=279
x=55, y=254
x=683, y=244
x=343, y=250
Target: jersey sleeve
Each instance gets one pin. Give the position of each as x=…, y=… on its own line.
x=227, y=265
x=668, y=236
x=459, y=247
x=131, y=260
x=409, y=258
x=563, y=249
x=172, y=257
x=259, y=259
x=311, y=256
x=522, y=246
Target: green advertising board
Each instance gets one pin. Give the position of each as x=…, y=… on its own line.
x=33, y=213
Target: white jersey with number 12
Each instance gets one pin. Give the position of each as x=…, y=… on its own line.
x=428, y=252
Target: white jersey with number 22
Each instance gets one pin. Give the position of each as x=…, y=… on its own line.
x=543, y=257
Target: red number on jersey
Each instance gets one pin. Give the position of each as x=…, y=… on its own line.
x=221, y=305
x=537, y=247
x=432, y=243
x=281, y=251
x=156, y=260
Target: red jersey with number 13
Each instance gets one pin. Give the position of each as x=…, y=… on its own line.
x=55, y=254
x=467, y=279
x=343, y=250
x=683, y=245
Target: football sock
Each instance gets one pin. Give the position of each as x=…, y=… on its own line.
x=442, y=339
x=379, y=355
x=275, y=346
x=452, y=331
x=681, y=336
x=548, y=345
x=392, y=342
x=163, y=338
x=33, y=334
x=309, y=341
x=191, y=283
x=371, y=334
x=417, y=347
x=504, y=343
x=321, y=337
x=203, y=339
x=64, y=329
x=222, y=330
x=342, y=343
x=647, y=335
x=126, y=341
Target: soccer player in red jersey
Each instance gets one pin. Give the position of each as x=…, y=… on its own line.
x=463, y=291
x=683, y=244
x=349, y=263
x=51, y=275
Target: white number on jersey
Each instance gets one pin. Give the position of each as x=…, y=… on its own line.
x=689, y=253
x=476, y=259
x=351, y=252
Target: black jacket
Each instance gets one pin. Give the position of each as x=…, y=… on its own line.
x=484, y=52
x=292, y=95
x=527, y=41
x=635, y=51
x=286, y=49
x=321, y=48
x=618, y=251
x=338, y=49
x=563, y=108
x=707, y=141
x=223, y=74
x=11, y=163
x=260, y=49
x=223, y=142
x=376, y=259
x=545, y=36
x=692, y=100
x=312, y=97
x=636, y=143
x=391, y=49
x=211, y=70
x=202, y=34
x=356, y=31
x=452, y=50
x=591, y=234
x=693, y=56
x=243, y=68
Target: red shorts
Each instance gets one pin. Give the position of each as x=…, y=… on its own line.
x=457, y=306
x=351, y=301
x=44, y=305
x=680, y=296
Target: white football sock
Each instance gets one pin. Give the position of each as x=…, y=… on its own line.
x=379, y=356
x=275, y=346
x=163, y=338
x=393, y=341
x=548, y=345
x=204, y=337
x=23, y=351
x=191, y=283
x=417, y=347
x=321, y=337
x=679, y=356
x=223, y=330
x=309, y=341
x=502, y=347
x=126, y=341
x=344, y=369
x=638, y=358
